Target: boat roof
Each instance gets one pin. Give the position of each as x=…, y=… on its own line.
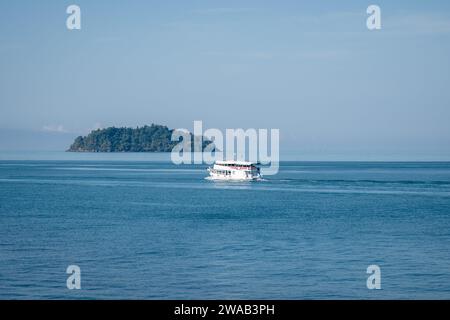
x=239, y=163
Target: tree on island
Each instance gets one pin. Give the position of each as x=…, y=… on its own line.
x=154, y=138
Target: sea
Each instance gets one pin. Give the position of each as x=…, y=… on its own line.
x=140, y=227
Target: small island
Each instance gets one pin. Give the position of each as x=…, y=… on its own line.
x=153, y=138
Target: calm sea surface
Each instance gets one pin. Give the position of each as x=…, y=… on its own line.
x=148, y=229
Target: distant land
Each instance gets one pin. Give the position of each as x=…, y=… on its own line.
x=153, y=138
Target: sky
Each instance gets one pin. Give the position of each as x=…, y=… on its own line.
x=309, y=68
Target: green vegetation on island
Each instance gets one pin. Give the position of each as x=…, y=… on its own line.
x=154, y=138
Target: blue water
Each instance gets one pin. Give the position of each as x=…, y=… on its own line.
x=153, y=230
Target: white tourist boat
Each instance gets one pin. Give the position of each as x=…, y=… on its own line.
x=235, y=170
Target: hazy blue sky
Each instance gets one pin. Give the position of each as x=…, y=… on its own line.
x=310, y=68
